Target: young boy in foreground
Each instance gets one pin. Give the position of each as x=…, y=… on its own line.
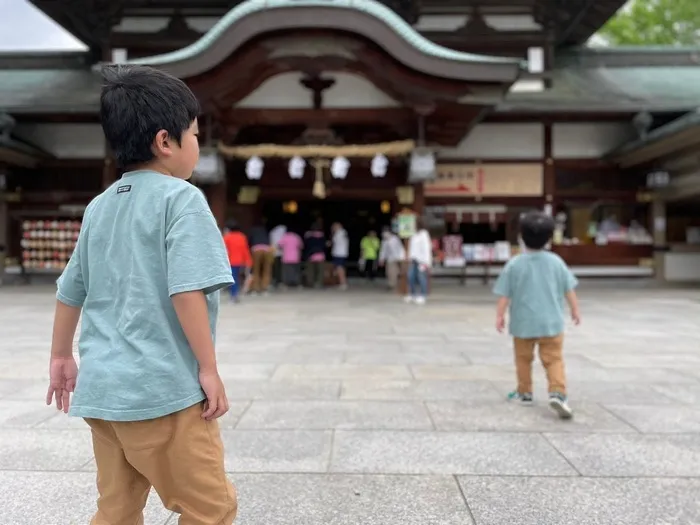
x=535, y=285
x=145, y=273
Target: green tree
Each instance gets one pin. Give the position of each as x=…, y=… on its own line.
x=655, y=23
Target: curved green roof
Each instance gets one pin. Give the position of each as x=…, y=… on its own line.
x=369, y=7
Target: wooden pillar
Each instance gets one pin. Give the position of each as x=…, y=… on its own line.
x=549, y=170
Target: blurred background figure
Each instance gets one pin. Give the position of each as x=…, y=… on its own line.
x=238, y=256
x=291, y=246
x=369, y=253
x=263, y=257
x=276, y=234
x=340, y=249
x=420, y=260
x=315, y=248
x=391, y=256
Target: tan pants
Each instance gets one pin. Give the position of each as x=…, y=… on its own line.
x=263, y=260
x=393, y=269
x=180, y=455
x=550, y=349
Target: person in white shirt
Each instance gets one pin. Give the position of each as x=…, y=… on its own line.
x=391, y=256
x=340, y=248
x=420, y=260
x=275, y=236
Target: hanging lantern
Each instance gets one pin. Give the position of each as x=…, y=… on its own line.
x=297, y=165
x=379, y=166
x=340, y=167
x=254, y=168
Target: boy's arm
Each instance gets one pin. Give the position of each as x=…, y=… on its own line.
x=502, y=289
x=501, y=308
x=197, y=264
x=65, y=323
x=570, y=284
x=70, y=294
x=572, y=299
x=192, y=312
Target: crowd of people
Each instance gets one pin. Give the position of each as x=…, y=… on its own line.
x=262, y=260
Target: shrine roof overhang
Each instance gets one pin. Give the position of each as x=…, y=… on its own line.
x=366, y=18
x=678, y=135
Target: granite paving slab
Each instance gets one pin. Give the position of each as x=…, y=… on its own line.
x=581, y=501
x=420, y=390
x=58, y=498
x=407, y=357
x=660, y=419
x=344, y=371
x=288, y=499
x=320, y=415
x=55, y=450
x=630, y=455
x=510, y=417
x=479, y=453
x=277, y=450
x=282, y=389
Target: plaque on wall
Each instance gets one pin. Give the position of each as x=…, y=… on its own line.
x=487, y=180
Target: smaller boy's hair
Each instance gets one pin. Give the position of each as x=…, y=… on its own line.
x=136, y=103
x=536, y=229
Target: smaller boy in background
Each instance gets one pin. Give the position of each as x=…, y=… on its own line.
x=291, y=246
x=533, y=287
x=238, y=257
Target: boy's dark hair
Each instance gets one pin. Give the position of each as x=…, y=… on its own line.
x=232, y=225
x=536, y=229
x=136, y=103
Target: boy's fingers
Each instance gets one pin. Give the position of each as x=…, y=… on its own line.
x=223, y=408
x=210, y=409
x=66, y=401
x=58, y=394
x=49, y=396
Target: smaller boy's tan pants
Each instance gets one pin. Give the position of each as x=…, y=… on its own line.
x=181, y=455
x=550, y=349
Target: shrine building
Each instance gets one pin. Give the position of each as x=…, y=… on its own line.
x=467, y=112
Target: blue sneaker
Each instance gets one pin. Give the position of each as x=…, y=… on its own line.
x=523, y=399
x=559, y=404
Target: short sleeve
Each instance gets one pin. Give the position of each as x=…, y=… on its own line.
x=503, y=286
x=195, y=255
x=569, y=280
x=71, y=284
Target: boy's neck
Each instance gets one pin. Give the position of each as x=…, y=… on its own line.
x=153, y=165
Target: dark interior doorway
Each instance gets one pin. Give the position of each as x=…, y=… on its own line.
x=357, y=217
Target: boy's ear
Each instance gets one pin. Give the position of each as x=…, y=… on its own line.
x=162, y=146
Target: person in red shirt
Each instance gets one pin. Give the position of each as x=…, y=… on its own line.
x=238, y=255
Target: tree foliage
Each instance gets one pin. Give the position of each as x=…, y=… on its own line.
x=655, y=23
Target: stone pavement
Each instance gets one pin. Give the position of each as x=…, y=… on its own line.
x=354, y=408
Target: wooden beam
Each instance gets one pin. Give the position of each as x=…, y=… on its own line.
x=277, y=117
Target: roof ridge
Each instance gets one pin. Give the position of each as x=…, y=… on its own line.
x=370, y=7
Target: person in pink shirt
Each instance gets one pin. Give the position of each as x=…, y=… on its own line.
x=291, y=245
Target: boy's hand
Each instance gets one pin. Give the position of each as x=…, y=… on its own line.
x=217, y=403
x=576, y=317
x=63, y=372
x=500, y=323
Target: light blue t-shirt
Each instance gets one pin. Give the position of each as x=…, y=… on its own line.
x=147, y=237
x=536, y=284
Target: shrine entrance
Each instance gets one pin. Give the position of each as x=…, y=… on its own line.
x=357, y=217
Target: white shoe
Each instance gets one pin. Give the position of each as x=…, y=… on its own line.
x=408, y=299
x=420, y=300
